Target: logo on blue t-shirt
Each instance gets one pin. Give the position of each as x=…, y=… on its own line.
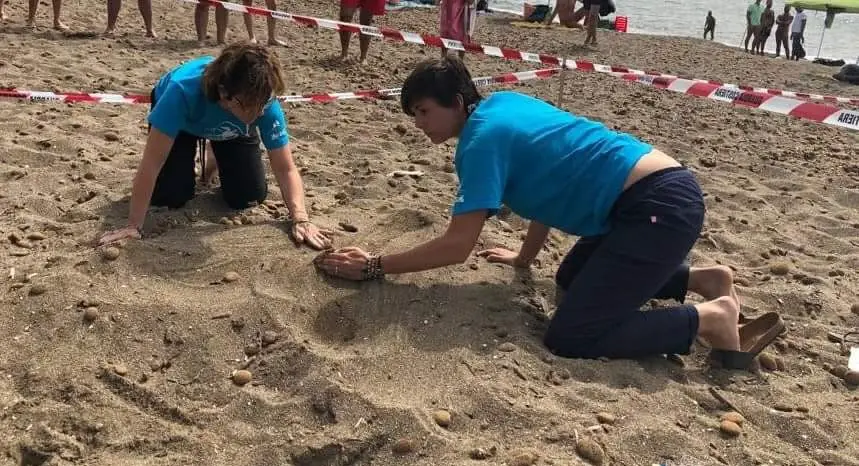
x=225, y=131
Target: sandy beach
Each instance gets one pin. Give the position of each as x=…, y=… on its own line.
x=127, y=360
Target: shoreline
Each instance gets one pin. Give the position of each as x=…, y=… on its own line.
x=634, y=30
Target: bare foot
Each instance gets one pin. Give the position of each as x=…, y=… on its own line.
x=151, y=34
x=59, y=26
x=31, y=24
x=110, y=33
x=253, y=40
x=3, y=16
x=718, y=323
x=277, y=42
x=711, y=282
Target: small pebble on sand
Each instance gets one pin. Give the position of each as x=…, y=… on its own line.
x=606, y=418
x=155, y=365
x=36, y=236
x=523, y=458
x=840, y=371
x=269, y=337
x=442, y=417
x=90, y=314
x=241, y=377
x=730, y=428
x=403, y=446
x=110, y=253
x=481, y=453
x=348, y=227
x=507, y=347
x=780, y=364
x=590, y=450
x=230, y=277
x=780, y=268
x=38, y=289
x=852, y=378
x=120, y=369
x=785, y=408
x=768, y=361
x=734, y=417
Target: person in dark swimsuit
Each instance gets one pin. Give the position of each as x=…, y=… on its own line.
x=709, y=25
x=782, y=23
x=767, y=21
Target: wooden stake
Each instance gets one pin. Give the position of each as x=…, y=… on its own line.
x=559, y=102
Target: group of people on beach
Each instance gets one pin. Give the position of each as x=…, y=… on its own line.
x=760, y=20
x=457, y=20
x=636, y=210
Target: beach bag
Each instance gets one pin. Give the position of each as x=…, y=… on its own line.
x=848, y=73
x=800, y=51
x=607, y=8
x=539, y=14
x=482, y=5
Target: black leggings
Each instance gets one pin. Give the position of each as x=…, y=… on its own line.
x=240, y=169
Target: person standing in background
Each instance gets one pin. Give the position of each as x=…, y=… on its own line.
x=113, y=8
x=593, y=8
x=31, y=14
x=270, y=23
x=782, y=22
x=753, y=22
x=797, y=34
x=201, y=23
x=767, y=21
x=368, y=9
x=565, y=10
x=709, y=25
x=456, y=21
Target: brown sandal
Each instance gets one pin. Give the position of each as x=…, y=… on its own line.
x=754, y=337
x=742, y=321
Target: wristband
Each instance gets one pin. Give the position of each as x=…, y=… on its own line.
x=373, y=270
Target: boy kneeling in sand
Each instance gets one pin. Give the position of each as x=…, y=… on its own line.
x=637, y=210
x=230, y=101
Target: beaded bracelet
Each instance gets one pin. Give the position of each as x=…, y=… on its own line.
x=373, y=270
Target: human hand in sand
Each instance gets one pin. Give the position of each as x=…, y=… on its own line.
x=350, y=263
x=503, y=256
x=311, y=235
x=114, y=236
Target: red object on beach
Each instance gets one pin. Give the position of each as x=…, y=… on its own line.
x=620, y=23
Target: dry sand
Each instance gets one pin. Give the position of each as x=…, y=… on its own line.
x=357, y=371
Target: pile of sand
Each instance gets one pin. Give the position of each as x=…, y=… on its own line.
x=126, y=358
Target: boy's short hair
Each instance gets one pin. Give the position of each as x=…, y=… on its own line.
x=250, y=72
x=440, y=79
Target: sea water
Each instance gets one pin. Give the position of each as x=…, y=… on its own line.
x=686, y=18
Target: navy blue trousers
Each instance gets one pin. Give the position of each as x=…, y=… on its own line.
x=607, y=278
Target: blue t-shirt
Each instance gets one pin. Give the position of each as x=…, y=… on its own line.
x=545, y=164
x=181, y=105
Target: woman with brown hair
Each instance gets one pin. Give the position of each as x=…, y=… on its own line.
x=231, y=102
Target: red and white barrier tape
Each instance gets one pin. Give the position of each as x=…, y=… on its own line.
x=821, y=113
x=72, y=97
x=509, y=54
x=79, y=97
